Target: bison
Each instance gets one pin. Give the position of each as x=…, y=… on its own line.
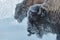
x=43, y=16
x=22, y=8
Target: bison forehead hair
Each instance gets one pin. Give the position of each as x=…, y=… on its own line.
x=39, y=21
x=36, y=12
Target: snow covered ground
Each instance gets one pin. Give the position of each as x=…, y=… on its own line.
x=10, y=29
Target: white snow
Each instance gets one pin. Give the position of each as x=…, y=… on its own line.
x=7, y=8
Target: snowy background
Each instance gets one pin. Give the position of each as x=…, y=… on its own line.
x=10, y=29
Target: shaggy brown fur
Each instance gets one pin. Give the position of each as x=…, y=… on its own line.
x=32, y=2
x=52, y=4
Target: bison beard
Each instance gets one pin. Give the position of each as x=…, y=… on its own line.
x=42, y=21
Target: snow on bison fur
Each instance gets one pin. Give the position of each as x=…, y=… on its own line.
x=42, y=18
